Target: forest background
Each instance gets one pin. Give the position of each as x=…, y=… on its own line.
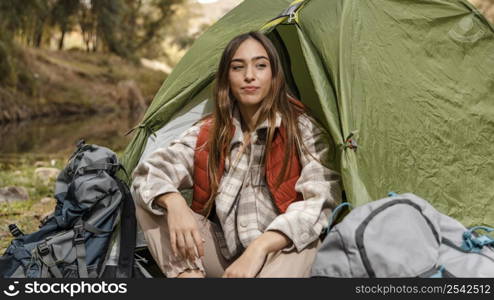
x=72, y=69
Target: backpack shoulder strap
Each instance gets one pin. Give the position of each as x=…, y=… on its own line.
x=128, y=231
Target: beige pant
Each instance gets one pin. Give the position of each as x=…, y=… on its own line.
x=278, y=264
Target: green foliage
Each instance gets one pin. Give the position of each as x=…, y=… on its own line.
x=14, y=71
x=145, y=21
x=7, y=74
x=108, y=17
x=64, y=15
x=124, y=27
x=129, y=27
x=25, y=19
x=40, y=82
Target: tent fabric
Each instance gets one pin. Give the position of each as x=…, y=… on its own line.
x=412, y=81
x=417, y=89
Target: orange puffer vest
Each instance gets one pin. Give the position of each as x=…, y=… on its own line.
x=283, y=196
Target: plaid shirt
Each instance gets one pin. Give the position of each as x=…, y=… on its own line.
x=244, y=206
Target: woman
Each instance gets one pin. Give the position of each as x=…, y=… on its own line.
x=254, y=212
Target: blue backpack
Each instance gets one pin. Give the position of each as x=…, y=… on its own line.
x=403, y=236
x=74, y=242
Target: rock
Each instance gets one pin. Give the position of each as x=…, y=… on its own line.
x=13, y=193
x=40, y=164
x=48, y=200
x=46, y=174
x=129, y=96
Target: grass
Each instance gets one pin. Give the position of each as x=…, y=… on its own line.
x=79, y=67
x=26, y=214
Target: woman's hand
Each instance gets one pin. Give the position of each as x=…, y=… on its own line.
x=248, y=264
x=185, y=238
x=252, y=260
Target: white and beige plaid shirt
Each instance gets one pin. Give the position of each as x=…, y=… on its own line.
x=244, y=206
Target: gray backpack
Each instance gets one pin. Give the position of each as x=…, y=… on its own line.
x=403, y=236
x=75, y=241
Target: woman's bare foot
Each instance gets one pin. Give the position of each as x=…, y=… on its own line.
x=191, y=274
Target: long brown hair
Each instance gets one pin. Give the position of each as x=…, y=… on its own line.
x=275, y=101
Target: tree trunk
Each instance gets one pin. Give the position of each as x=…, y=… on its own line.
x=38, y=37
x=60, y=43
x=95, y=42
x=38, y=32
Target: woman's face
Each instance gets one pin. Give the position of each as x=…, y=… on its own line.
x=250, y=74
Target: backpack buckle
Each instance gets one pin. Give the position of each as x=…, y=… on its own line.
x=45, y=220
x=15, y=231
x=43, y=249
x=78, y=234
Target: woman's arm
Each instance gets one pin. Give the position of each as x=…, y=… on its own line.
x=303, y=221
x=165, y=171
x=252, y=260
x=156, y=185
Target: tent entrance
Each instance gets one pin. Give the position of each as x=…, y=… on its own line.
x=312, y=91
x=307, y=81
x=286, y=40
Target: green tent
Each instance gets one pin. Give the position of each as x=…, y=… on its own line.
x=405, y=87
